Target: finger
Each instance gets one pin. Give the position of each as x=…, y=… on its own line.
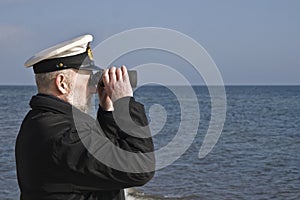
x=112, y=75
x=105, y=77
x=124, y=70
x=125, y=73
x=119, y=74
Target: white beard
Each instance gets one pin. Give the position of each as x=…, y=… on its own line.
x=84, y=105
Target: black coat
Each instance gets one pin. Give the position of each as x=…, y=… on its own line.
x=53, y=163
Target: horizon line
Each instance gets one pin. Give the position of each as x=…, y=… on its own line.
x=188, y=85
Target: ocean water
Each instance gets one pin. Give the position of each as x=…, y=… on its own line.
x=256, y=157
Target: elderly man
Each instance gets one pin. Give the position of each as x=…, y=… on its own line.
x=62, y=152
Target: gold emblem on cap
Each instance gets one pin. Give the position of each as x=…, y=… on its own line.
x=60, y=65
x=89, y=52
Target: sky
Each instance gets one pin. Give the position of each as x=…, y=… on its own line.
x=253, y=42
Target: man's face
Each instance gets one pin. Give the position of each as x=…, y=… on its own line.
x=81, y=91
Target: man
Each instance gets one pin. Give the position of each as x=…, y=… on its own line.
x=62, y=152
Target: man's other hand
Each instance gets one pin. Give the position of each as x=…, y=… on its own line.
x=116, y=85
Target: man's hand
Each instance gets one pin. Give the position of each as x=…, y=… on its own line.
x=116, y=85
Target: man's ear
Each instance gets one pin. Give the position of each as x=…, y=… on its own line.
x=61, y=84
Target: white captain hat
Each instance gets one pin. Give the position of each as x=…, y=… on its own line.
x=75, y=53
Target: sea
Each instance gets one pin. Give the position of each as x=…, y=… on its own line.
x=257, y=155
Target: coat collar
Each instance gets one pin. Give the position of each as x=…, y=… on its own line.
x=50, y=103
x=55, y=105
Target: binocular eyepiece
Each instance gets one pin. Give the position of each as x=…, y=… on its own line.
x=96, y=79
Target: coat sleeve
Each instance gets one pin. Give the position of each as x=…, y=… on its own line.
x=85, y=151
x=127, y=128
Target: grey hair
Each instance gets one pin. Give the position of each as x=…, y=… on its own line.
x=45, y=81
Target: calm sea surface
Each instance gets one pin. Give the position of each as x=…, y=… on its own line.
x=256, y=157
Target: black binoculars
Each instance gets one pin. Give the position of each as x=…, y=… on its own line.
x=96, y=79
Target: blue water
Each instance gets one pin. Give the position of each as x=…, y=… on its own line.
x=256, y=157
